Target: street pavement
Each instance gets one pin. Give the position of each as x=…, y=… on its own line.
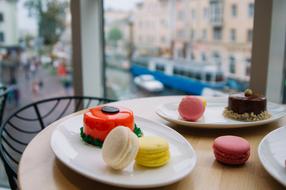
x=52, y=87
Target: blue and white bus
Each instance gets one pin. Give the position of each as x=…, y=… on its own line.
x=190, y=77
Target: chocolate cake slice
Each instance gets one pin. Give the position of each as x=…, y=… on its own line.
x=247, y=106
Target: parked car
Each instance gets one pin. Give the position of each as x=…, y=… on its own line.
x=148, y=83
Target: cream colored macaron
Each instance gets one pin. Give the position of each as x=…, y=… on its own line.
x=120, y=148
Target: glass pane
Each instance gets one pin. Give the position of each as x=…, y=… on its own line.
x=188, y=46
x=35, y=50
x=35, y=53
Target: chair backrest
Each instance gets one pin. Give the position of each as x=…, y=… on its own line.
x=3, y=98
x=23, y=125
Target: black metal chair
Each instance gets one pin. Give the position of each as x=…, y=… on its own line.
x=20, y=128
x=3, y=98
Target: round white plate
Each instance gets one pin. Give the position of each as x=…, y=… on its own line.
x=213, y=116
x=87, y=160
x=272, y=154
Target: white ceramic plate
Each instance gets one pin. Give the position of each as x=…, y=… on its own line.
x=87, y=160
x=213, y=116
x=272, y=154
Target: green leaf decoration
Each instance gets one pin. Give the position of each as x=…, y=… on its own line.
x=137, y=131
x=88, y=139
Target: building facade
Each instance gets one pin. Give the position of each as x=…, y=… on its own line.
x=8, y=23
x=153, y=27
x=221, y=33
x=203, y=31
x=118, y=19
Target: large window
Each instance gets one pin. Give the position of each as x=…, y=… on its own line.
x=35, y=53
x=35, y=50
x=195, y=37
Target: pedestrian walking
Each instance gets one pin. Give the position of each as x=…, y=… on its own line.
x=35, y=88
x=25, y=64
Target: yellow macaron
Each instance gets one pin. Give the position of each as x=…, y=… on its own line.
x=155, y=161
x=152, y=144
x=153, y=151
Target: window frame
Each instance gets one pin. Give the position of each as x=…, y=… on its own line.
x=88, y=47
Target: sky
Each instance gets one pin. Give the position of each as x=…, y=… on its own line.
x=25, y=23
x=29, y=24
x=121, y=4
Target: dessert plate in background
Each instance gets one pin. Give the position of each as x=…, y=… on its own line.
x=213, y=116
x=272, y=154
x=87, y=159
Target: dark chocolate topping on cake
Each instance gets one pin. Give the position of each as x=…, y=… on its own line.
x=252, y=103
x=110, y=109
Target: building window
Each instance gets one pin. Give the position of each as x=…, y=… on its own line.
x=160, y=68
x=234, y=10
x=192, y=56
x=204, y=34
x=203, y=56
x=193, y=34
x=2, y=37
x=216, y=58
x=247, y=68
x=250, y=9
x=181, y=33
x=216, y=12
x=232, y=35
x=206, y=12
x=1, y=17
x=181, y=15
x=194, y=14
x=217, y=33
x=232, y=64
x=249, y=35
x=163, y=39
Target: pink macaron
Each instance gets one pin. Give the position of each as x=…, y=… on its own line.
x=191, y=108
x=231, y=150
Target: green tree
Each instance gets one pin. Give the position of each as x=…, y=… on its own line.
x=114, y=35
x=50, y=15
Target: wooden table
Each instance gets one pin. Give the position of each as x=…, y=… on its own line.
x=39, y=168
